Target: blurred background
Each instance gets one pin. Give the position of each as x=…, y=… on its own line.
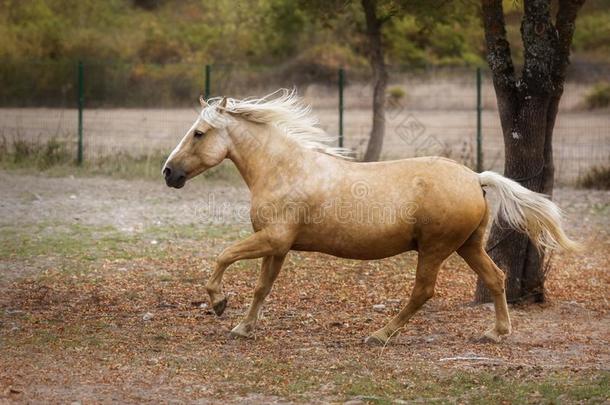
x=133, y=70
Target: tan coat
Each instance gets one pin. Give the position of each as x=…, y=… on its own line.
x=303, y=199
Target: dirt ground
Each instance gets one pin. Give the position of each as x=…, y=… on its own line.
x=102, y=300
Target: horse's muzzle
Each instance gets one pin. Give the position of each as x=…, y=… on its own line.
x=174, y=177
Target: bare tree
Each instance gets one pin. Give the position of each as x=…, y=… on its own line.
x=380, y=78
x=376, y=14
x=528, y=107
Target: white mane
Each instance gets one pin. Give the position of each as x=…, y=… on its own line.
x=284, y=109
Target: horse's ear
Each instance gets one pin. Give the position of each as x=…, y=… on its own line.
x=202, y=101
x=223, y=103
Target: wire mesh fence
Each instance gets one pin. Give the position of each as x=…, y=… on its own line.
x=143, y=110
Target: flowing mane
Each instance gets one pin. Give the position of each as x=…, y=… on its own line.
x=283, y=109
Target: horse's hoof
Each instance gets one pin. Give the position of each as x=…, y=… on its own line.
x=490, y=336
x=220, y=307
x=241, y=331
x=374, y=341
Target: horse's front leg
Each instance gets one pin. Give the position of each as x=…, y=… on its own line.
x=269, y=271
x=260, y=244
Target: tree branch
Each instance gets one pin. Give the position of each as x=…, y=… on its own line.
x=373, y=31
x=565, y=23
x=373, y=24
x=385, y=17
x=540, y=47
x=500, y=62
x=380, y=79
x=498, y=49
x=566, y=16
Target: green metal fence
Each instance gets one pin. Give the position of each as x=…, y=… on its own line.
x=81, y=107
x=104, y=108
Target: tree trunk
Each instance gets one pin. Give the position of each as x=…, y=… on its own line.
x=524, y=146
x=527, y=109
x=380, y=79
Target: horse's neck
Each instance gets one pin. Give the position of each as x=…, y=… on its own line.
x=259, y=151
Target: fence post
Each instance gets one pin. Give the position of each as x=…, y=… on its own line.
x=81, y=103
x=479, y=128
x=206, y=93
x=341, y=83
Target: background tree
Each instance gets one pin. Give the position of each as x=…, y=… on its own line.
x=376, y=15
x=374, y=23
x=528, y=107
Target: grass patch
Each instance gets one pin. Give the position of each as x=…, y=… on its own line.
x=91, y=335
x=370, y=389
x=148, y=166
x=597, y=177
x=395, y=96
x=39, y=155
x=77, y=246
x=372, y=385
x=479, y=388
x=55, y=157
x=598, y=96
x=195, y=232
x=86, y=243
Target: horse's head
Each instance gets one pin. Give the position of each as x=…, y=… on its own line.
x=204, y=146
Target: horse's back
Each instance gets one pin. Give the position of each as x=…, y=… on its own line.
x=374, y=210
x=445, y=196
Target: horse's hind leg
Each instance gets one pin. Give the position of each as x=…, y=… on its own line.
x=474, y=254
x=428, y=266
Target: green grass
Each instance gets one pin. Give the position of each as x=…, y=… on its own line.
x=91, y=335
x=476, y=387
x=350, y=380
x=193, y=232
x=598, y=96
x=78, y=246
x=54, y=157
x=75, y=240
x=481, y=387
x=597, y=177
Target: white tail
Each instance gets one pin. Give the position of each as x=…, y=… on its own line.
x=528, y=212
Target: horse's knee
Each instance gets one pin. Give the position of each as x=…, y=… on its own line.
x=224, y=259
x=496, y=284
x=499, y=275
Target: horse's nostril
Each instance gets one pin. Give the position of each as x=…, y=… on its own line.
x=167, y=172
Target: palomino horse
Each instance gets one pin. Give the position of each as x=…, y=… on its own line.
x=306, y=197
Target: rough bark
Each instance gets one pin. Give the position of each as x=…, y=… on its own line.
x=528, y=108
x=380, y=79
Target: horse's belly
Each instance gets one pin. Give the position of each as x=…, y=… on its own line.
x=360, y=242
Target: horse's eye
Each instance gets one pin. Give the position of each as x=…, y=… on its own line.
x=197, y=133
